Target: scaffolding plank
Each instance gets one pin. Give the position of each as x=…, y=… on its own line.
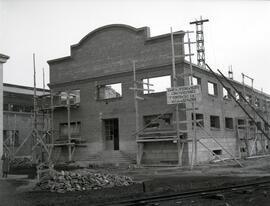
x=155, y=140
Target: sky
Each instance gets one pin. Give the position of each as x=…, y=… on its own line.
x=237, y=33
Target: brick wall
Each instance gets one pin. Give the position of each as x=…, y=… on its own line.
x=105, y=56
x=111, y=50
x=216, y=105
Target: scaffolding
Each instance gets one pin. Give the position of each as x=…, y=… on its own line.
x=44, y=139
x=66, y=101
x=178, y=136
x=258, y=130
x=252, y=141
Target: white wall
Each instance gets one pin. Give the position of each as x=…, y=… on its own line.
x=3, y=60
x=1, y=109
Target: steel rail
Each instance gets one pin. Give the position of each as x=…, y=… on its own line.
x=185, y=195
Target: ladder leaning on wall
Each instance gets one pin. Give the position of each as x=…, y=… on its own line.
x=184, y=76
x=250, y=106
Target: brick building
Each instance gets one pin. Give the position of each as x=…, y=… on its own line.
x=100, y=70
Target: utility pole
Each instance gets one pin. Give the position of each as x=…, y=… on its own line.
x=43, y=75
x=200, y=41
x=35, y=134
x=35, y=92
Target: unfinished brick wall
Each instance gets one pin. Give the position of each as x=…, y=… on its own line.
x=105, y=56
x=110, y=50
x=218, y=106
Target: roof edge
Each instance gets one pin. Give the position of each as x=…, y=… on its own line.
x=23, y=87
x=3, y=58
x=145, y=29
x=232, y=80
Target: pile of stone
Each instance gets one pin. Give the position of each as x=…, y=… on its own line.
x=65, y=181
x=23, y=162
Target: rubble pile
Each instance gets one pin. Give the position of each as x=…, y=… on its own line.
x=70, y=181
x=21, y=163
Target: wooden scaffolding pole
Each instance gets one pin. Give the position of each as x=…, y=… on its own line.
x=139, y=145
x=69, y=132
x=34, y=134
x=14, y=136
x=177, y=105
x=194, y=120
x=135, y=89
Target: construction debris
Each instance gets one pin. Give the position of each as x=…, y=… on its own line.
x=65, y=181
x=21, y=163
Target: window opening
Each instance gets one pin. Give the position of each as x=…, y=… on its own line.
x=249, y=98
x=241, y=122
x=110, y=91
x=214, y=122
x=228, y=123
x=157, y=84
x=217, y=151
x=199, y=120
x=163, y=122
x=226, y=93
x=257, y=102
x=196, y=80
x=212, y=89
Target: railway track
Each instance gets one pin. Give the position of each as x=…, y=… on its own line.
x=200, y=193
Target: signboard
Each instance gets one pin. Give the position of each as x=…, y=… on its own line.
x=183, y=94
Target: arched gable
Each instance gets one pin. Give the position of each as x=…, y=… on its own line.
x=109, y=50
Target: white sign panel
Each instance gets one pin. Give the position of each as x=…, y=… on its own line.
x=183, y=94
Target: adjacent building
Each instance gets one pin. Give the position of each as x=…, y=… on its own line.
x=18, y=108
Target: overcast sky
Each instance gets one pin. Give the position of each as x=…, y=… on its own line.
x=237, y=33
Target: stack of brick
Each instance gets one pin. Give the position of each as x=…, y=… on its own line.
x=18, y=163
x=64, y=181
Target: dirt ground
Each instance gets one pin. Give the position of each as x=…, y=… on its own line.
x=18, y=190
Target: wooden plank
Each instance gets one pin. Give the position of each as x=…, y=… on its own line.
x=162, y=140
x=61, y=144
x=180, y=43
x=155, y=140
x=158, y=137
x=139, y=98
x=159, y=132
x=140, y=82
x=141, y=89
x=181, y=56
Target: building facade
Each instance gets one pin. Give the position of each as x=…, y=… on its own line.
x=100, y=70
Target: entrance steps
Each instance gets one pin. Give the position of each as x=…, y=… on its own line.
x=112, y=157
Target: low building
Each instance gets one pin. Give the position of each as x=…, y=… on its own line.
x=18, y=125
x=100, y=70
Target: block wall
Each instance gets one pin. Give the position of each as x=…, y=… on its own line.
x=217, y=106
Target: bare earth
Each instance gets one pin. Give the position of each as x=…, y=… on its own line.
x=18, y=190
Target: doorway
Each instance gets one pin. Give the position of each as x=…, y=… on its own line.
x=111, y=132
